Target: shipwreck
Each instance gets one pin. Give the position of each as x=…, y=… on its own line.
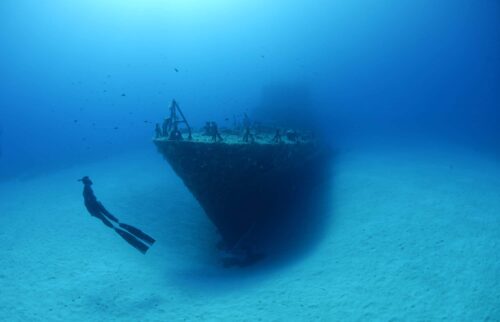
x=245, y=178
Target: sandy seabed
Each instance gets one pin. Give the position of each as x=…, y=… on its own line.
x=413, y=235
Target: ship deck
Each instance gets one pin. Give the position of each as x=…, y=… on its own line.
x=231, y=138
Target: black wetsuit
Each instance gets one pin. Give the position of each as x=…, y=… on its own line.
x=96, y=208
x=134, y=236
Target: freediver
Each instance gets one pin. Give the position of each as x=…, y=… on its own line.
x=134, y=236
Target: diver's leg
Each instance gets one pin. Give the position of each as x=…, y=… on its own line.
x=102, y=218
x=106, y=213
x=138, y=233
x=143, y=248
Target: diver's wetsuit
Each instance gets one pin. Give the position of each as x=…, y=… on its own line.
x=96, y=208
x=132, y=235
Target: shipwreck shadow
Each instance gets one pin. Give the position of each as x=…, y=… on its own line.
x=295, y=230
x=292, y=234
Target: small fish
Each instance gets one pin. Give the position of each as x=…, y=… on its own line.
x=176, y=70
x=123, y=95
x=75, y=121
x=115, y=128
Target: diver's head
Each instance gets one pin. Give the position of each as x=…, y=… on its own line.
x=85, y=180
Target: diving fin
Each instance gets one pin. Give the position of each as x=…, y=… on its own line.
x=143, y=248
x=138, y=233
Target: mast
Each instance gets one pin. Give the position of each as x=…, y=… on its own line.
x=175, y=120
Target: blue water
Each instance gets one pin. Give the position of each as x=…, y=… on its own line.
x=406, y=92
x=358, y=69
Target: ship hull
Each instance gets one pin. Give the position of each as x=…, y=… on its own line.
x=244, y=187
